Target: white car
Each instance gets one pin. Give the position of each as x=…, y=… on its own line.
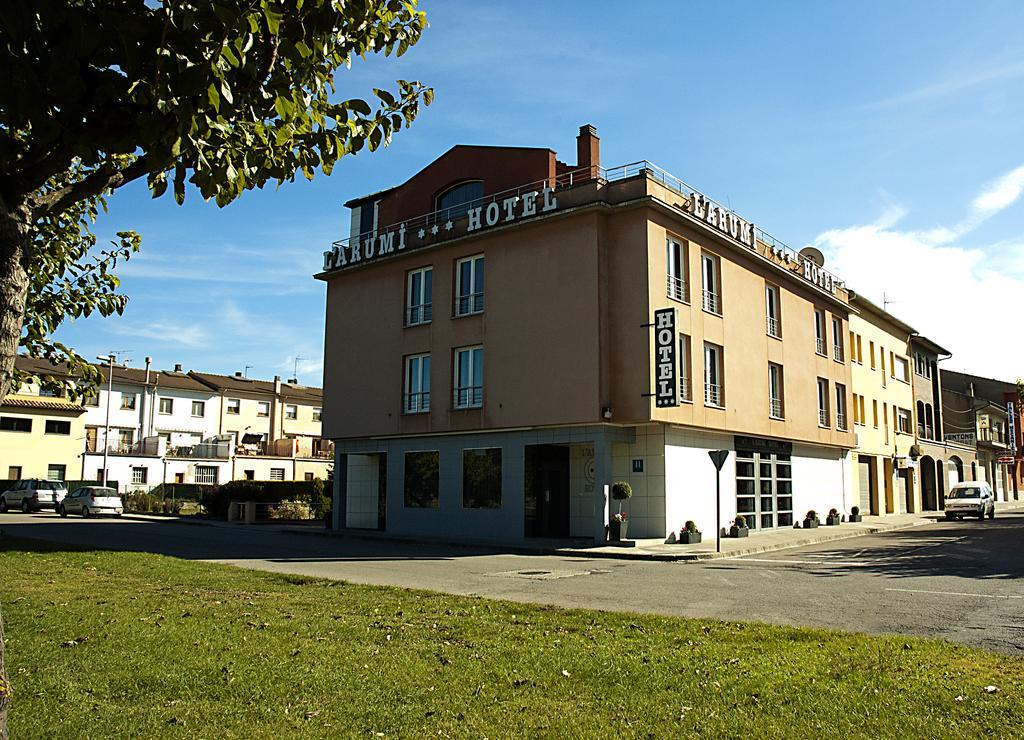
x=972, y=498
x=33, y=494
x=92, y=501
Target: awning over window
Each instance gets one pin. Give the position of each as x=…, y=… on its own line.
x=251, y=439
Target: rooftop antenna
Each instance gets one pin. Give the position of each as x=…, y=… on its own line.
x=295, y=366
x=886, y=301
x=245, y=371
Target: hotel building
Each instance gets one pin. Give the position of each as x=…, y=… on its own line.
x=508, y=334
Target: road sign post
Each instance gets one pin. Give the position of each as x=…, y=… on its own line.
x=718, y=457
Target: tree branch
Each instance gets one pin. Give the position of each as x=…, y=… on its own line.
x=98, y=182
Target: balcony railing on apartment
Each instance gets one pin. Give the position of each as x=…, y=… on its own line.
x=466, y=305
x=416, y=403
x=678, y=289
x=713, y=395
x=841, y=421
x=321, y=449
x=711, y=302
x=820, y=346
x=822, y=417
x=470, y=397
x=775, y=408
x=421, y=314
x=773, y=327
x=837, y=353
x=685, y=390
x=215, y=450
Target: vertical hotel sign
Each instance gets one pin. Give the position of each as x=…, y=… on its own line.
x=1011, y=426
x=665, y=382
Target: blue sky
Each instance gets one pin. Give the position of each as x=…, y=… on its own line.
x=888, y=134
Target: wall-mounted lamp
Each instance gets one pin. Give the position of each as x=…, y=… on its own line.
x=606, y=412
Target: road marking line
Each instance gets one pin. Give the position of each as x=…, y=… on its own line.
x=850, y=563
x=953, y=593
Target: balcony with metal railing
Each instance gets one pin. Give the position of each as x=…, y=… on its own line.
x=469, y=304
x=416, y=403
x=419, y=314
x=823, y=417
x=468, y=397
x=713, y=395
x=819, y=346
x=775, y=410
x=678, y=289
x=837, y=353
x=841, y=421
x=773, y=327
x=685, y=389
x=711, y=302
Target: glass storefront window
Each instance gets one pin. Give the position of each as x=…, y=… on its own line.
x=764, y=489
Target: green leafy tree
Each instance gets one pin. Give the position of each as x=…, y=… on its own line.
x=227, y=95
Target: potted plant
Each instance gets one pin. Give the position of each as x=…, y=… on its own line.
x=739, y=527
x=833, y=519
x=855, y=515
x=621, y=491
x=689, y=534
x=811, y=521
x=618, y=527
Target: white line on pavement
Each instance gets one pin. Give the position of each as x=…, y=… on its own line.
x=953, y=593
x=789, y=561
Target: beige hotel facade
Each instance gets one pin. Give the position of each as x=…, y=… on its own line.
x=507, y=335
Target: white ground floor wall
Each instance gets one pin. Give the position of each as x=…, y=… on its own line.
x=668, y=469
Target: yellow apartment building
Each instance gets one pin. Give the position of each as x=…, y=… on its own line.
x=41, y=435
x=883, y=411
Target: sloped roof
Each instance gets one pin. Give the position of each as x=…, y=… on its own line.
x=37, y=403
x=229, y=383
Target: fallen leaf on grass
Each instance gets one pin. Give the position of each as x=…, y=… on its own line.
x=565, y=673
x=991, y=689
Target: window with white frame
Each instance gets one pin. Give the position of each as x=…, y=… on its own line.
x=291, y=411
x=469, y=285
x=903, y=423
x=317, y=414
x=675, y=268
x=837, y=339
x=56, y=472
x=469, y=378
x=841, y=406
x=710, y=280
x=900, y=368
x=140, y=476
x=714, y=392
x=419, y=296
x=416, y=396
x=206, y=475
x=776, y=407
x=773, y=311
x=127, y=401
x=685, y=384
x=234, y=405
x=199, y=408
x=819, y=332
x=823, y=415
x=277, y=474
x=263, y=408
x=166, y=405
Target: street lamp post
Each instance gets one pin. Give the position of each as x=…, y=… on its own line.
x=109, y=359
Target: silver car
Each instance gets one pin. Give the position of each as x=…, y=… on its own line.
x=33, y=494
x=972, y=498
x=92, y=501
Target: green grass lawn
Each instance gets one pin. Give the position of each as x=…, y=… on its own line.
x=109, y=643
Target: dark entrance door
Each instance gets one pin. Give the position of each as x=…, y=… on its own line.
x=547, y=491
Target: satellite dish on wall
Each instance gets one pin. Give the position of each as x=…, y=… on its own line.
x=814, y=255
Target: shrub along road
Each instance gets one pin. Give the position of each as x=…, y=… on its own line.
x=962, y=580
x=112, y=643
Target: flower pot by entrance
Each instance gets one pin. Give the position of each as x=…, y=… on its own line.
x=810, y=523
x=617, y=529
x=735, y=531
x=833, y=521
x=689, y=538
x=856, y=518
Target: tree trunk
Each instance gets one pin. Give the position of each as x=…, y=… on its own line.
x=15, y=227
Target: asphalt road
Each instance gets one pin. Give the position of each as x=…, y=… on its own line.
x=963, y=581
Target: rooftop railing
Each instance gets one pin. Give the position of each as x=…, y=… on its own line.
x=442, y=219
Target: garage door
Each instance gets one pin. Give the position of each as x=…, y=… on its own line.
x=864, y=485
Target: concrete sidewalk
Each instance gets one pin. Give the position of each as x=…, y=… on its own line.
x=647, y=549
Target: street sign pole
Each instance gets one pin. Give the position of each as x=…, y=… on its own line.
x=718, y=457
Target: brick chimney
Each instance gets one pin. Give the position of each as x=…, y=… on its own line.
x=588, y=154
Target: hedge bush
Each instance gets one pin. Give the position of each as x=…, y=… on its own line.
x=310, y=493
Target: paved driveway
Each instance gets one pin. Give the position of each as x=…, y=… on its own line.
x=963, y=581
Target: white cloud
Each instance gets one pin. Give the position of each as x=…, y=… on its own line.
x=964, y=297
x=954, y=83
x=187, y=335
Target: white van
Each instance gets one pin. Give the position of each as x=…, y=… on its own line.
x=971, y=498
